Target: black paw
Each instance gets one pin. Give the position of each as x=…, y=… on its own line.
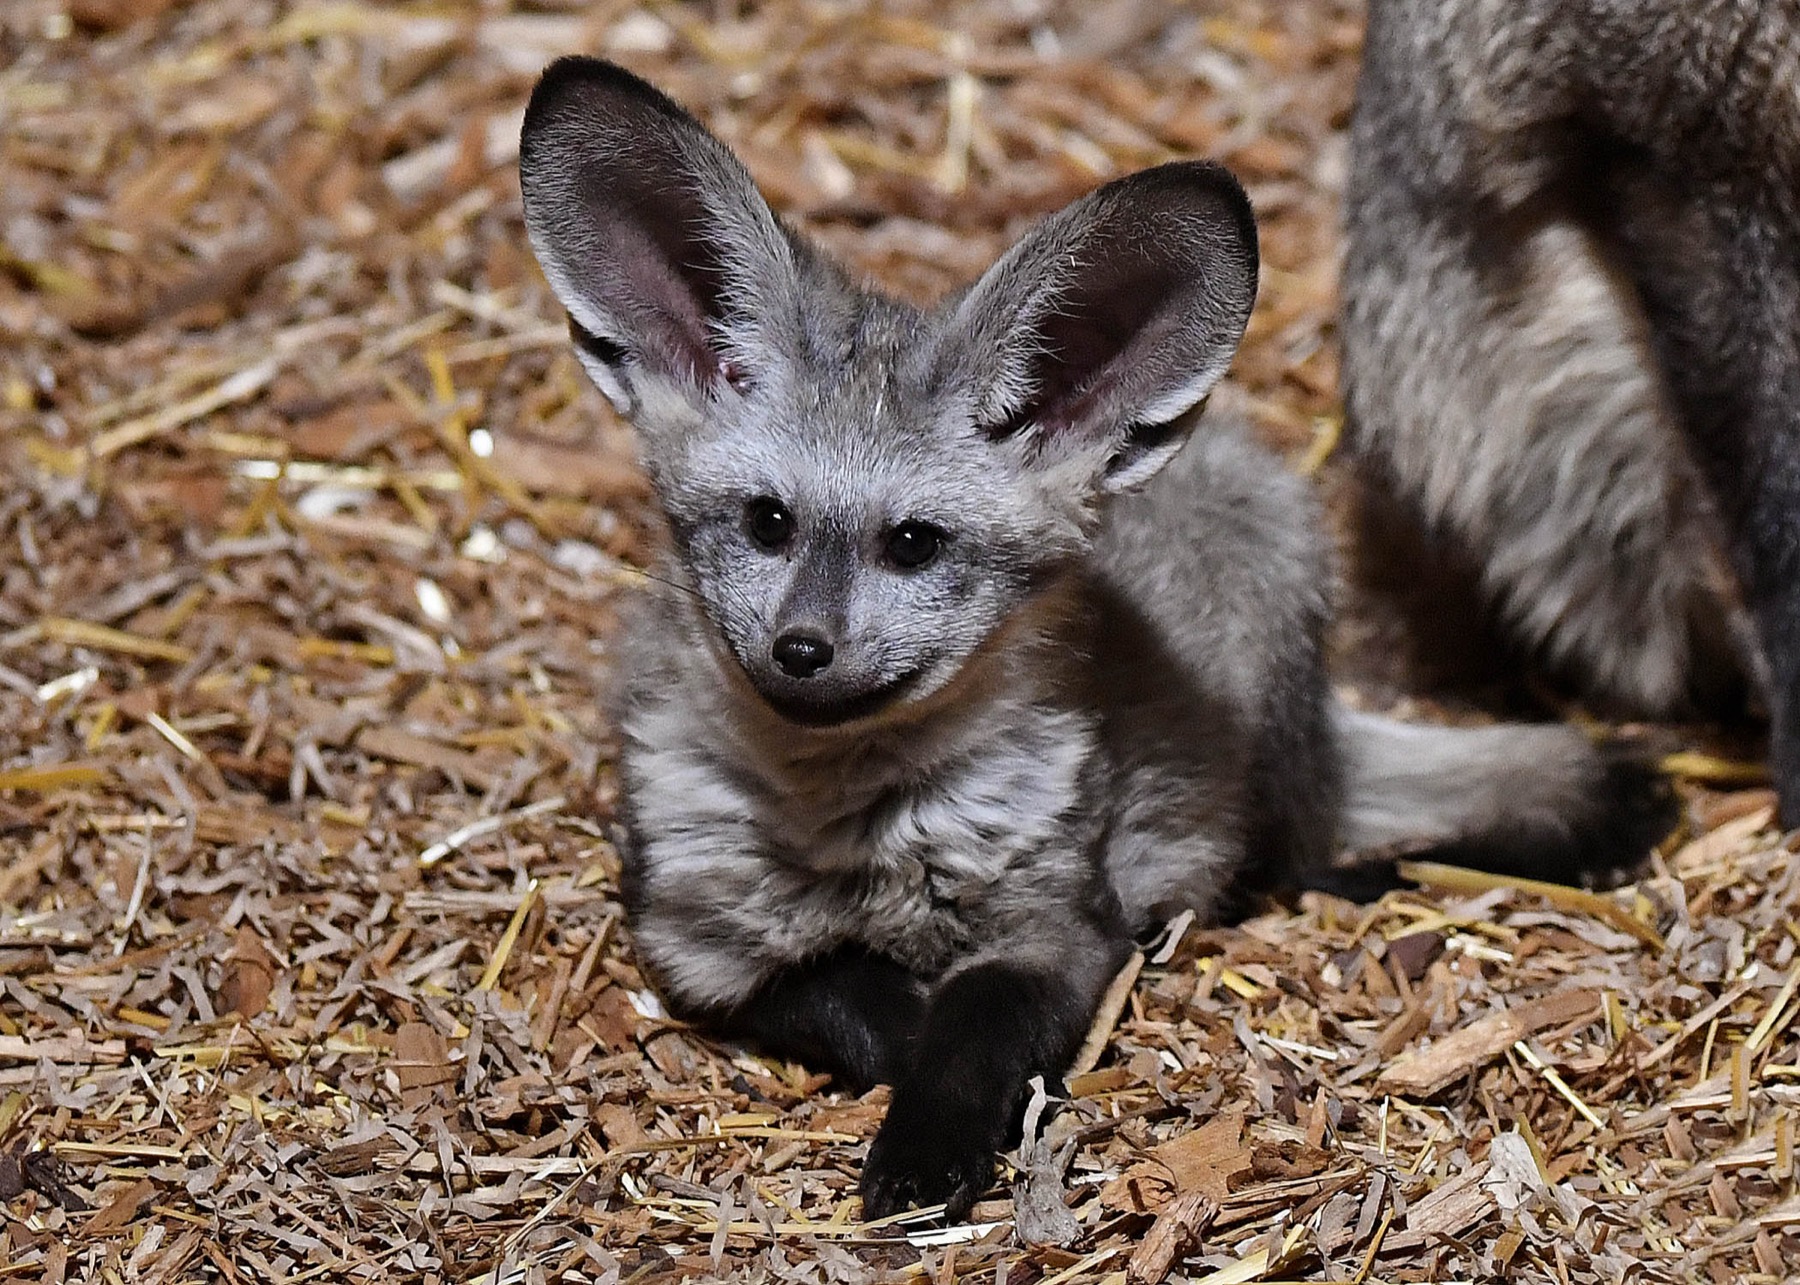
x=919, y=1160
x=1639, y=797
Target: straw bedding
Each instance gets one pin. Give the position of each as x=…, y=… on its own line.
x=311, y=961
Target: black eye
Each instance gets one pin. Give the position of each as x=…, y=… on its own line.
x=769, y=522
x=912, y=544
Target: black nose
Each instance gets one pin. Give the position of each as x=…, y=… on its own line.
x=802, y=655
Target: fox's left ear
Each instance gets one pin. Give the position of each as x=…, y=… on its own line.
x=1099, y=332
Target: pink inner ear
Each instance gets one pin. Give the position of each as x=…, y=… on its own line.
x=1118, y=311
x=1105, y=336
x=660, y=274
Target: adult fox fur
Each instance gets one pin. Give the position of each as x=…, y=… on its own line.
x=1572, y=333
x=951, y=699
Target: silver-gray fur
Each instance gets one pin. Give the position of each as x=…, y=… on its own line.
x=1391, y=768
x=1571, y=345
x=1063, y=676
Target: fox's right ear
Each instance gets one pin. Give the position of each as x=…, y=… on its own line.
x=676, y=275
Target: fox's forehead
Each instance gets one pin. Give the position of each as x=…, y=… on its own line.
x=858, y=458
x=858, y=421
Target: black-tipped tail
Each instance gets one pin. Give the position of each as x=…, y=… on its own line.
x=1629, y=809
x=1529, y=802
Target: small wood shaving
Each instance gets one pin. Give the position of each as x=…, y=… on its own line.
x=312, y=965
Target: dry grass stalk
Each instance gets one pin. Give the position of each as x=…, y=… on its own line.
x=310, y=541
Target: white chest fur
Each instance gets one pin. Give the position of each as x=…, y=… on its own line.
x=908, y=841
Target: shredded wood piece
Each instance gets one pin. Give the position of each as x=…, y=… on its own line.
x=1178, y=1227
x=503, y=949
x=486, y=826
x=1455, y=1055
x=244, y=384
x=1524, y=1050
x=1118, y=994
x=54, y=776
x=1777, y=1014
x=82, y=633
x=1600, y=907
x=313, y=964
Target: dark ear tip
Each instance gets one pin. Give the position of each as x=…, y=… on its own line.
x=569, y=74
x=581, y=70
x=1194, y=172
x=576, y=78
x=1191, y=182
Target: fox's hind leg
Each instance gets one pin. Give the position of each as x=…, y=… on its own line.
x=1769, y=537
x=1720, y=278
x=1506, y=411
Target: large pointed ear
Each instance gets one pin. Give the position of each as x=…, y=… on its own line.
x=1096, y=335
x=651, y=233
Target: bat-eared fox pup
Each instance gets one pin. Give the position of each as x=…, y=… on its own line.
x=1572, y=336
x=985, y=655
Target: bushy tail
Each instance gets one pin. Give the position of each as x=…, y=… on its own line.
x=1541, y=802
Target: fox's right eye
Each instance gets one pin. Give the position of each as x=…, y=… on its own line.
x=769, y=522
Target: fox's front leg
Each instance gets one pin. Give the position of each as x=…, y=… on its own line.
x=735, y=950
x=850, y=1012
x=988, y=1029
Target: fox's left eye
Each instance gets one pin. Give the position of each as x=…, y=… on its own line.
x=912, y=544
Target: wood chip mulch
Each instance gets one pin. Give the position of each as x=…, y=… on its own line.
x=311, y=534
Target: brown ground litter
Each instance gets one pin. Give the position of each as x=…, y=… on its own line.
x=311, y=961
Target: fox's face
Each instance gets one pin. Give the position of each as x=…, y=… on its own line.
x=852, y=534
x=861, y=493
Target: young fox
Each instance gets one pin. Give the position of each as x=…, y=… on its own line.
x=1572, y=332
x=952, y=700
